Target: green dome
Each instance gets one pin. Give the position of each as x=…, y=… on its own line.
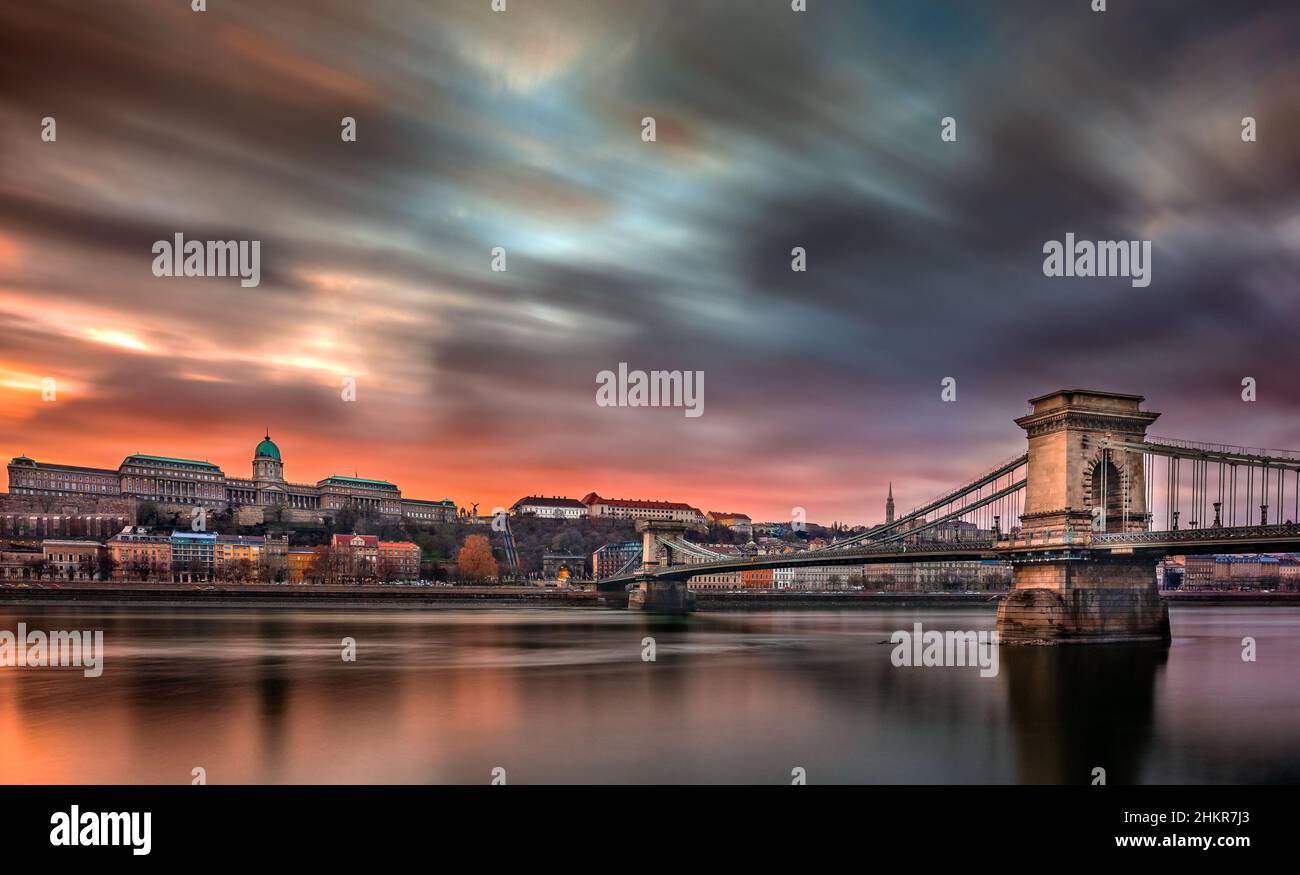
x=267, y=450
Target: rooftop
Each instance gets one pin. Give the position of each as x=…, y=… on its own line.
x=267, y=449
x=344, y=540
x=544, y=501
x=24, y=460
x=168, y=460
x=593, y=498
x=339, y=478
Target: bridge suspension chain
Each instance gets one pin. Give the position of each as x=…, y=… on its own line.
x=632, y=563
x=1227, y=486
x=995, y=498
x=906, y=523
x=690, y=548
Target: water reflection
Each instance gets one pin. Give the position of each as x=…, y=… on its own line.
x=442, y=695
x=1079, y=708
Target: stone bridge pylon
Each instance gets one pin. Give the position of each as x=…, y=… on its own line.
x=1080, y=480
x=653, y=594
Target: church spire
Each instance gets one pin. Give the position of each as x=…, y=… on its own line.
x=889, y=504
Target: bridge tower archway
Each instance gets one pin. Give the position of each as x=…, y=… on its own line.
x=1106, y=490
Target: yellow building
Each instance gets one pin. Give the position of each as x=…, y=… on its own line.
x=300, y=562
x=235, y=557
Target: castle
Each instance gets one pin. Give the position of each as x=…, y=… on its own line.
x=193, y=483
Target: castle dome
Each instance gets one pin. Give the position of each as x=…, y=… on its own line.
x=267, y=450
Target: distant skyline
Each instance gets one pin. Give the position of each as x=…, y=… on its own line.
x=522, y=130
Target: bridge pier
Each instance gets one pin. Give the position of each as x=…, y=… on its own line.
x=661, y=596
x=1084, y=600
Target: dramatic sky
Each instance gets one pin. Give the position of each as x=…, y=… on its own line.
x=522, y=130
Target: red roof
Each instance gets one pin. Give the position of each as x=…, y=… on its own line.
x=346, y=540
x=395, y=545
x=593, y=498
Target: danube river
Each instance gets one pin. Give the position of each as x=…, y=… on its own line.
x=564, y=695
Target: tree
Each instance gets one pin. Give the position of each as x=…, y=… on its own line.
x=567, y=541
x=239, y=571
x=323, y=567
x=475, y=560
x=720, y=534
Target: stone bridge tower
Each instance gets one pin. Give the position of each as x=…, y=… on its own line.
x=1081, y=479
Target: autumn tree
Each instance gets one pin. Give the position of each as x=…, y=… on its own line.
x=475, y=560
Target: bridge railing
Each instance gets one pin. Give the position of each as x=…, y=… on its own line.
x=1209, y=533
x=1052, y=537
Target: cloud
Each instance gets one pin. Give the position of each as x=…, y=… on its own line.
x=522, y=130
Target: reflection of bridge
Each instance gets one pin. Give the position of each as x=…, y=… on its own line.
x=1091, y=507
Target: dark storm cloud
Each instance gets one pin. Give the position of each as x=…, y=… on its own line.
x=776, y=130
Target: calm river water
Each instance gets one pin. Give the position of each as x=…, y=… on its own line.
x=563, y=695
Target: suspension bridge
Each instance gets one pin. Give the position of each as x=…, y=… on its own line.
x=1082, y=517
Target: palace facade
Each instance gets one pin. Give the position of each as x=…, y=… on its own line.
x=169, y=480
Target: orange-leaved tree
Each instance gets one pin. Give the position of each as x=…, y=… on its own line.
x=475, y=560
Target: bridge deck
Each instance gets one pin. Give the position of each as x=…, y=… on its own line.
x=1238, y=539
x=956, y=551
